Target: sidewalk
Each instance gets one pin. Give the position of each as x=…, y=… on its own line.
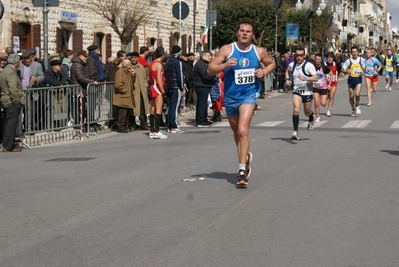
x=68, y=135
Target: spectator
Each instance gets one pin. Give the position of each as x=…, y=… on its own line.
x=203, y=83
x=175, y=88
x=94, y=64
x=12, y=99
x=192, y=96
x=80, y=75
x=123, y=94
x=67, y=63
x=3, y=61
x=142, y=104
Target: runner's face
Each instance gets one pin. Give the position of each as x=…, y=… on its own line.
x=368, y=53
x=330, y=60
x=318, y=61
x=299, y=56
x=355, y=53
x=245, y=33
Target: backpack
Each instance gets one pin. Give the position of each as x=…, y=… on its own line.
x=303, y=71
x=215, y=92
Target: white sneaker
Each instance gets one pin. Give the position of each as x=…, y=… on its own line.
x=390, y=88
x=159, y=135
x=294, y=135
x=310, y=125
x=397, y=80
x=353, y=113
x=358, y=111
x=328, y=113
x=176, y=130
x=317, y=120
x=386, y=86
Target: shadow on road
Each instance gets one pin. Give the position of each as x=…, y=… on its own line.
x=288, y=140
x=392, y=152
x=229, y=177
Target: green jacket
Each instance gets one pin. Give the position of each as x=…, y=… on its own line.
x=396, y=56
x=11, y=89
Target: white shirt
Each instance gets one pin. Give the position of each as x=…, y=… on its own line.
x=299, y=84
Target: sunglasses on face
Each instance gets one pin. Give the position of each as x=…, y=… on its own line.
x=300, y=55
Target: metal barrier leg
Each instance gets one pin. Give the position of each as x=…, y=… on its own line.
x=24, y=144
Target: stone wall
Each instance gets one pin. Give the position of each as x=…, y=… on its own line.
x=159, y=25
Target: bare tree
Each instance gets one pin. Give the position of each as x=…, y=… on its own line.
x=124, y=16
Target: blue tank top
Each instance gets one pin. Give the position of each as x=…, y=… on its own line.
x=240, y=80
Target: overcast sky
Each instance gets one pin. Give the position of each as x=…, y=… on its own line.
x=393, y=7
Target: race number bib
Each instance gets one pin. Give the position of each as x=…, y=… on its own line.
x=389, y=65
x=246, y=76
x=317, y=83
x=370, y=69
x=357, y=71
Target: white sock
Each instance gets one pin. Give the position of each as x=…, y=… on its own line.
x=241, y=166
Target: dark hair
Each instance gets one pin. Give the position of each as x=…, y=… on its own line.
x=300, y=49
x=159, y=52
x=330, y=54
x=246, y=21
x=318, y=55
x=143, y=49
x=354, y=47
x=120, y=53
x=68, y=52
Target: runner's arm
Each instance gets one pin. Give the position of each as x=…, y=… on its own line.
x=219, y=63
x=267, y=61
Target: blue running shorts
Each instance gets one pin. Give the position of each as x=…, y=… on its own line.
x=232, y=105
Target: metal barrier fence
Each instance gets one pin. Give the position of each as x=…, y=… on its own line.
x=67, y=107
x=99, y=106
x=52, y=108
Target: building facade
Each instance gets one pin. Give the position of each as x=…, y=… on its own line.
x=74, y=25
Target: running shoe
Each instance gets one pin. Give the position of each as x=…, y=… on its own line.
x=397, y=80
x=151, y=135
x=248, y=169
x=176, y=130
x=390, y=88
x=242, y=181
x=318, y=119
x=369, y=103
x=328, y=113
x=353, y=113
x=294, y=135
x=358, y=111
x=310, y=125
x=386, y=86
x=159, y=135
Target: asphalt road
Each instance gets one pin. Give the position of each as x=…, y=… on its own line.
x=330, y=199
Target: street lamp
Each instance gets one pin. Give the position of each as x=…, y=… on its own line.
x=319, y=11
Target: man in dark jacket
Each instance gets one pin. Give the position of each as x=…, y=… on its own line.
x=80, y=75
x=175, y=88
x=203, y=83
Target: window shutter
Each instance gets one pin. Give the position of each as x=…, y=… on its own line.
x=159, y=42
x=184, y=43
x=36, y=38
x=136, y=43
x=108, y=45
x=77, y=40
x=148, y=41
x=171, y=38
x=59, y=40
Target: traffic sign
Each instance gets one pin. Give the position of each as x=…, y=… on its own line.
x=50, y=3
x=184, y=10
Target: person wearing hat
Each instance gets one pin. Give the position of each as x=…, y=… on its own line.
x=12, y=100
x=52, y=76
x=192, y=95
x=142, y=104
x=175, y=84
x=94, y=64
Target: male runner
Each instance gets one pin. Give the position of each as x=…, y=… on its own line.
x=373, y=66
x=300, y=75
x=240, y=62
x=354, y=66
x=389, y=63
